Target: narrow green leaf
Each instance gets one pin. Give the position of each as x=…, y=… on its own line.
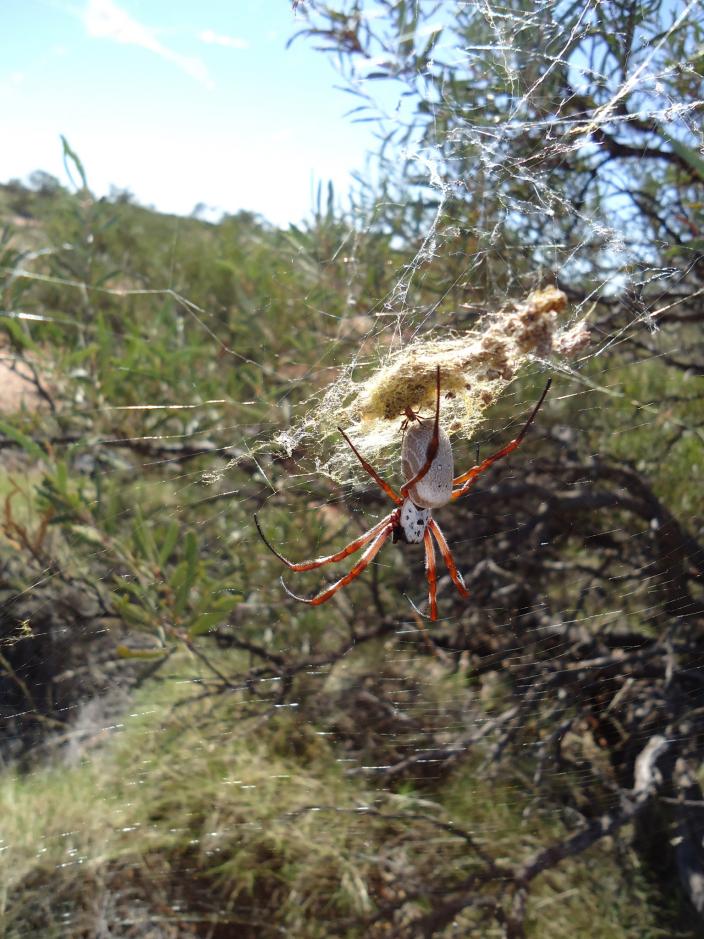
x=687, y=154
x=101, y=281
x=191, y=549
x=133, y=614
x=125, y=652
x=61, y=476
x=27, y=444
x=88, y=534
x=144, y=540
x=430, y=45
x=204, y=622
x=135, y=588
x=169, y=543
x=218, y=611
x=71, y=158
x=224, y=602
x=185, y=573
x=20, y=338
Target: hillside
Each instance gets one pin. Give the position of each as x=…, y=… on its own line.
x=190, y=751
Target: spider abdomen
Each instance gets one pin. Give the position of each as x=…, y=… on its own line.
x=413, y=521
x=435, y=488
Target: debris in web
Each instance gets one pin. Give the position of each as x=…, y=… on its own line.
x=476, y=366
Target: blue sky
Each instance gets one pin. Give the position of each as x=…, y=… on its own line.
x=179, y=102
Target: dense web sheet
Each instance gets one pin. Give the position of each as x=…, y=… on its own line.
x=495, y=154
x=535, y=211
x=475, y=367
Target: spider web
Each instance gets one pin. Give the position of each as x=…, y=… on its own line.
x=409, y=338
x=532, y=227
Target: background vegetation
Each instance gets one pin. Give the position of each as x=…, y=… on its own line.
x=189, y=752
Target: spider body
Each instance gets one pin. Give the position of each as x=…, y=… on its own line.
x=434, y=489
x=426, y=456
x=411, y=524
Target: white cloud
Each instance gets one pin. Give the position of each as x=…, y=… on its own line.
x=217, y=39
x=104, y=19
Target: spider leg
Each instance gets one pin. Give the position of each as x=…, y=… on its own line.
x=372, y=472
x=466, y=480
x=448, y=559
x=361, y=564
x=432, y=574
x=432, y=446
x=330, y=558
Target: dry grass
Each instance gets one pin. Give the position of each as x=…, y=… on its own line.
x=192, y=822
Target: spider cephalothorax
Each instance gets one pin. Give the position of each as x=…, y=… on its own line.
x=426, y=456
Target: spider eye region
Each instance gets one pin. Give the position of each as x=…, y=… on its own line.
x=413, y=522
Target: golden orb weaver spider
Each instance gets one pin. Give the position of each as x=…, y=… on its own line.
x=426, y=456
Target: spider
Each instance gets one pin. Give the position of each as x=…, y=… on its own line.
x=426, y=455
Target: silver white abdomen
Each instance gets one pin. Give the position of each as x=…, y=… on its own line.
x=413, y=522
x=435, y=488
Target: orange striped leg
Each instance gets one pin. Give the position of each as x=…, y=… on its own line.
x=432, y=573
x=361, y=564
x=466, y=480
x=448, y=559
x=469, y=478
x=432, y=446
x=372, y=472
x=331, y=558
